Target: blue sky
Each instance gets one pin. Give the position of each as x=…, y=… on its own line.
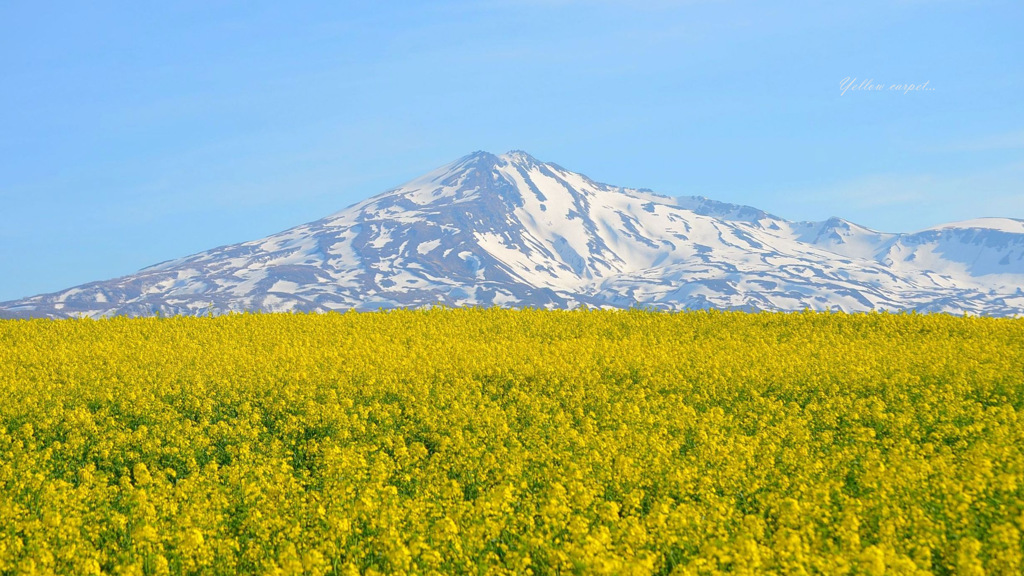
x=132, y=133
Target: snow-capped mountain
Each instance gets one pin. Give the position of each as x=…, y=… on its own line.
x=510, y=230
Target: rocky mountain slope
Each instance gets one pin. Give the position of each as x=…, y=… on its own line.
x=509, y=230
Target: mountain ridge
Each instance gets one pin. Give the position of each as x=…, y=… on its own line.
x=511, y=230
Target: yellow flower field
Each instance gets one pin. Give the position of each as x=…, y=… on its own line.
x=513, y=442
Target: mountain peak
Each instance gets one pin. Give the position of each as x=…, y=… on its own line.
x=520, y=157
x=482, y=159
x=1010, y=225
x=476, y=160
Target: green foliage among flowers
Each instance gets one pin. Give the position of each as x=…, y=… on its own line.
x=513, y=442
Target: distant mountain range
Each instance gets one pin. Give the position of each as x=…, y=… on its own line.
x=510, y=230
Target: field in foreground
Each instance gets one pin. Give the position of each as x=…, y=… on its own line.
x=497, y=441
